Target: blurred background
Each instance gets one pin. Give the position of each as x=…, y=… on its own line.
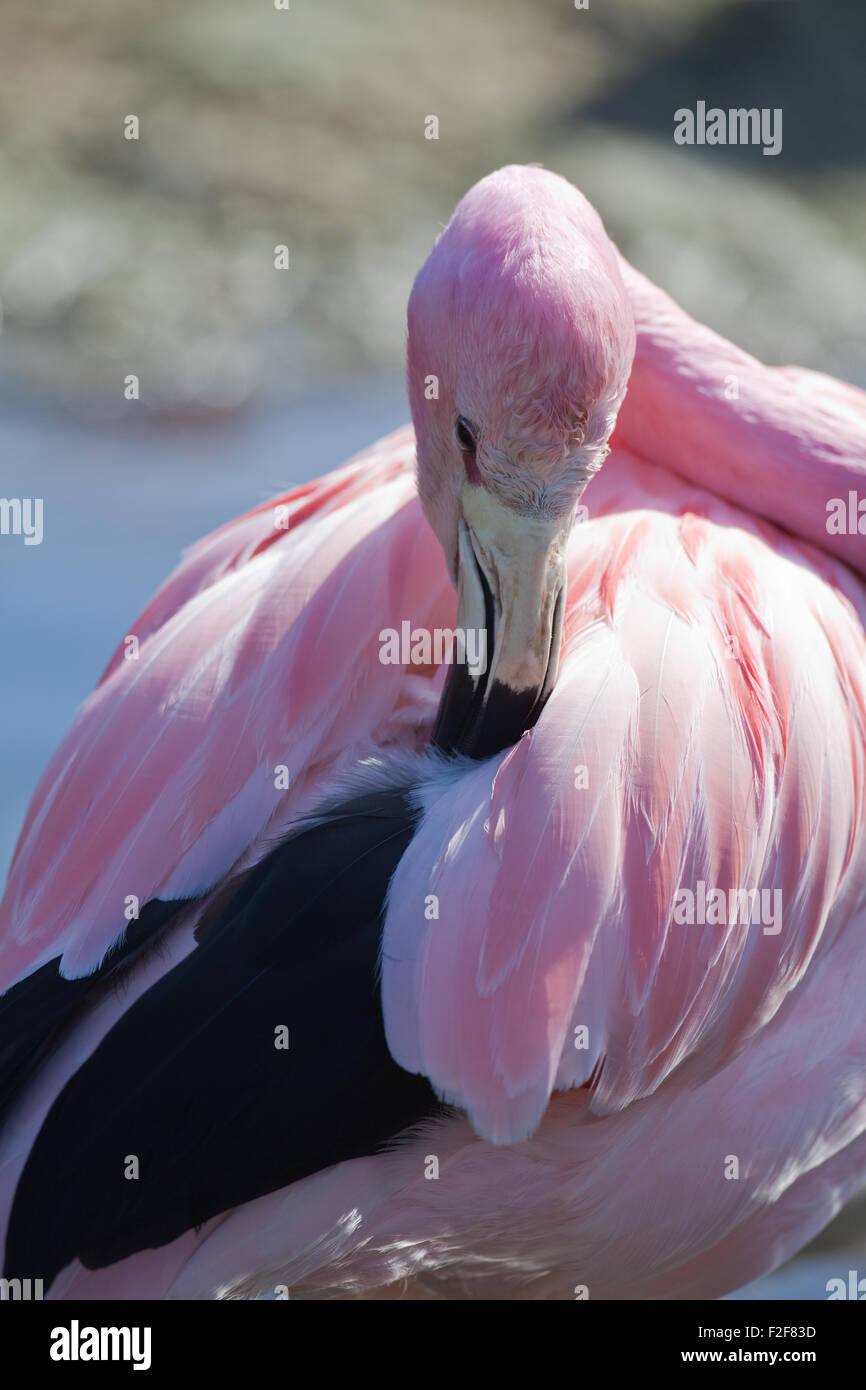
x=305, y=128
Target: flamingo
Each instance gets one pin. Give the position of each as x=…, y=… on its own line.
x=329, y=977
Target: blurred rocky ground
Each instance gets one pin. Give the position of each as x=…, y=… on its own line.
x=306, y=128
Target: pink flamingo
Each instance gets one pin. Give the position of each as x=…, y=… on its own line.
x=645, y=1106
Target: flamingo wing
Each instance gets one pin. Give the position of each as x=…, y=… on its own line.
x=708, y=727
x=235, y=699
x=227, y=1079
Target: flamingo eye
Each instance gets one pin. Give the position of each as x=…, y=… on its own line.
x=465, y=435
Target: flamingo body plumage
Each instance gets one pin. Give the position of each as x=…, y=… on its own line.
x=642, y=1107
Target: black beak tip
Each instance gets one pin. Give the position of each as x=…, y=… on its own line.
x=468, y=723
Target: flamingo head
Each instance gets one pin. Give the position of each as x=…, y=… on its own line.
x=521, y=340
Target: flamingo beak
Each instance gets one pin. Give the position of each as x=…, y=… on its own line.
x=511, y=584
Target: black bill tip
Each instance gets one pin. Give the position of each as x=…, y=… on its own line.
x=478, y=722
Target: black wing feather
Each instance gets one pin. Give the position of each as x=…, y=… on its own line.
x=35, y=1012
x=190, y=1082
